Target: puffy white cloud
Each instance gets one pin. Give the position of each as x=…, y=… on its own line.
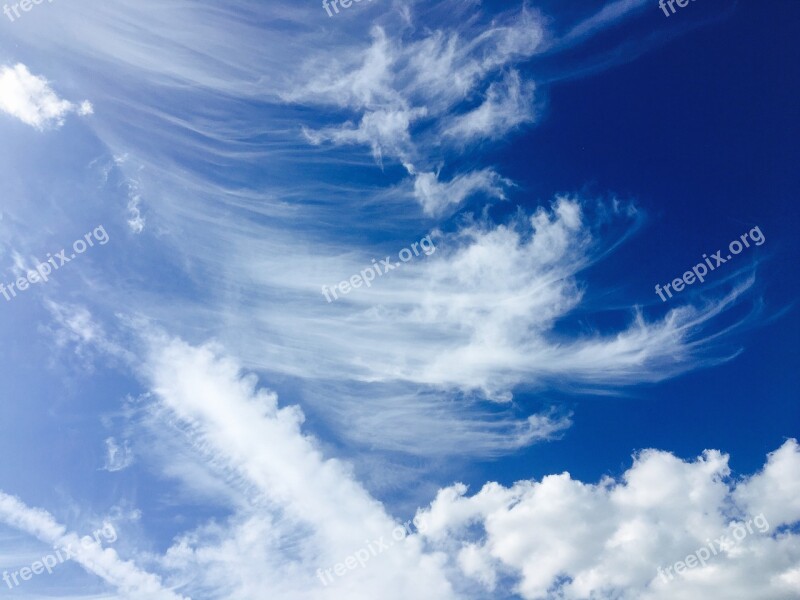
x=561, y=538
x=475, y=562
x=776, y=490
x=30, y=99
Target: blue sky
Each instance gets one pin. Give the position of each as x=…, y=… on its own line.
x=517, y=388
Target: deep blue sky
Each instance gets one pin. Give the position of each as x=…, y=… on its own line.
x=703, y=133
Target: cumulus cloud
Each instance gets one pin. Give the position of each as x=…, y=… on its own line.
x=295, y=512
x=776, y=490
x=30, y=99
x=562, y=538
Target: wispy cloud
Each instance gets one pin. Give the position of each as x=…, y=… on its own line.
x=129, y=580
x=118, y=458
x=508, y=104
x=477, y=322
x=609, y=15
x=395, y=83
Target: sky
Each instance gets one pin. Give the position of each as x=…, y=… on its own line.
x=439, y=300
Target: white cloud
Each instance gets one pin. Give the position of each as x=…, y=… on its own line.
x=131, y=183
x=76, y=328
x=776, y=490
x=476, y=563
x=607, y=16
x=85, y=108
x=553, y=538
x=561, y=538
x=30, y=99
x=426, y=343
x=435, y=196
x=385, y=131
x=480, y=316
x=117, y=458
x=136, y=221
x=395, y=82
x=508, y=104
x=131, y=582
x=294, y=511
x=486, y=305
x=306, y=512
